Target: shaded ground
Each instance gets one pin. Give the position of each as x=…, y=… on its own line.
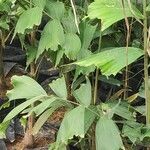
x=46, y=135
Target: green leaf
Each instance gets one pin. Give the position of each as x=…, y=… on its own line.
x=75, y=123
x=28, y=19
x=86, y=36
x=121, y=110
x=39, y=3
x=148, y=8
x=72, y=45
x=107, y=135
x=68, y=22
x=59, y=56
x=142, y=89
x=111, y=61
x=31, y=55
x=55, y=9
x=42, y=119
x=4, y=23
x=132, y=130
x=21, y=107
x=83, y=70
x=40, y=108
x=72, y=124
x=111, y=11
x=89, y=117
x=57, y=146
x=5, y=7
x=59, y=87
x=146, y=133
x=110, y=80
x=52, y=36
x=3, y=128
x=84, y=94
x=87, y=33
x=51, y=101
x=24, y=87
x=141, y=109
x=52, y=104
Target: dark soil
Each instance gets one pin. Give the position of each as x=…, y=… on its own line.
x=46, y=135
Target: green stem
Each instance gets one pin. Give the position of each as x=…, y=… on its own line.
x=97, y=73
x=93, y=146
x=96, y=86
x=147, y=94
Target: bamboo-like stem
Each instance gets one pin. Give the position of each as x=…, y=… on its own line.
x=97, y=73
x=1, y=63
x=147, y=92
x=29, y=138
x=75, y=15
x=2, y=76
x=127, y=44
x=93, y=144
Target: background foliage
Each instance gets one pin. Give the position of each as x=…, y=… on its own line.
x=92, y=44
